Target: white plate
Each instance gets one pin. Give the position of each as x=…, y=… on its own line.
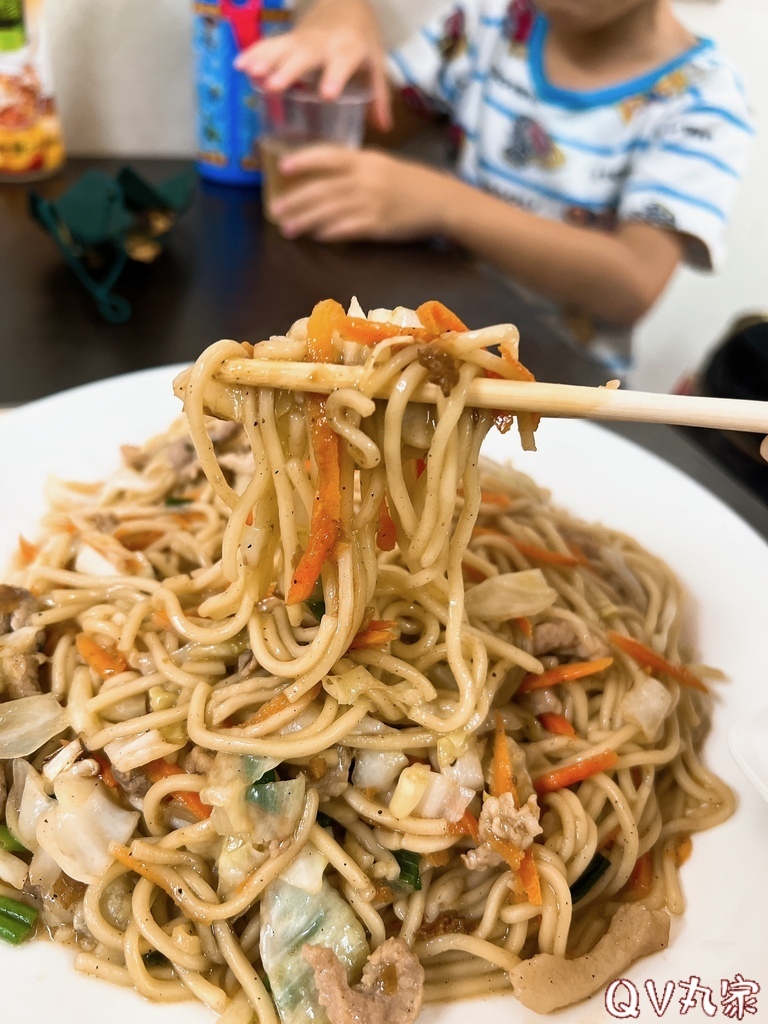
x=722, y=562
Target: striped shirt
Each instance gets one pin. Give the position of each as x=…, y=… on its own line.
x=667, y=148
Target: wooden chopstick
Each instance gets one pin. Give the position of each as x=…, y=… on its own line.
x=558, y=400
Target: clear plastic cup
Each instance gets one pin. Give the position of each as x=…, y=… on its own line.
x=300, y=117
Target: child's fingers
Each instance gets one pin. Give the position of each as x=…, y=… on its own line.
x=382, y=101
x=300, y=200
x=340, y=65
x=298, y=62
x=343, y=228
x=263, y=57
x=318, y=159
x=317, y=218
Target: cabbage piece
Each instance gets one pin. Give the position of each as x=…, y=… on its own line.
x=467, y=770
x=29, y=722
x=78, y=830
x=43, y=869
x=13, y=871
x=291, y=917
x=443, y=798
x=246, y=807
x=237, y=860
x=409, y=790
x=231, y=773
x=358, y=684
x=103, y=555
x=511, y=595
x=429, y=794
x=131, y=752
x=306, y=871
x=33, y=801
x=400, y=315
x=377, y=769
x=647, y=704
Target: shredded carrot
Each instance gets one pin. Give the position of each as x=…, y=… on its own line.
x=563, y=674
x=525, y=626
x=527, y=422
x=421, y=465
x=465, y=826
x=640, y=882
x=512, y=854
x=105, y=663
x=519, y=372
x=138, y=540
x=473, y=574
x=438, y=319
x=438, y=859
x=249, y=519
x=162, y=769
x=530, y=878
x=610, y=838
x=161, y=620
x=325, y=524
x=368, y=332
x=148, y=871
x=324, y=320
x=577, y=771
x=502, y=776
x=558, y=724
x=495, y=498
x=277, y=703
x=683, y=849
x=649, y=658
x=386, y=537
x=105, y=771
x=376, y=634
x=27, y=550
x=537, y=554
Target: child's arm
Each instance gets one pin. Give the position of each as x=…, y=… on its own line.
x=369, y=194
x=334, y=37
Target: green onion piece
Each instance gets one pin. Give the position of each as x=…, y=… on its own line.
x=409, y=878
x=593, y=872
x=173, y=502
x=154, y=958
x=317, y=607
x=324, y=820
x=14, y=932
x=16, y=911
x=9, y=843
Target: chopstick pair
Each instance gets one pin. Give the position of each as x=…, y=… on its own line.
x=568, y=401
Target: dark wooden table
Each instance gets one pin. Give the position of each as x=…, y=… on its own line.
x=225, y=272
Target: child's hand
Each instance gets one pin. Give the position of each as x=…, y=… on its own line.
x=336, y=38
x=357, y=194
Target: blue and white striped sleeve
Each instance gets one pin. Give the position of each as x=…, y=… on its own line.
x=434, y=64
x=687, y=176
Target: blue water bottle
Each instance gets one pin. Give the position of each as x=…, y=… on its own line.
x=227, y=113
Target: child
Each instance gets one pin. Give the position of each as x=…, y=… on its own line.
x=601, y=144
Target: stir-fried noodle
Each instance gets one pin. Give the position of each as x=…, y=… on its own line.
x=315, y=680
